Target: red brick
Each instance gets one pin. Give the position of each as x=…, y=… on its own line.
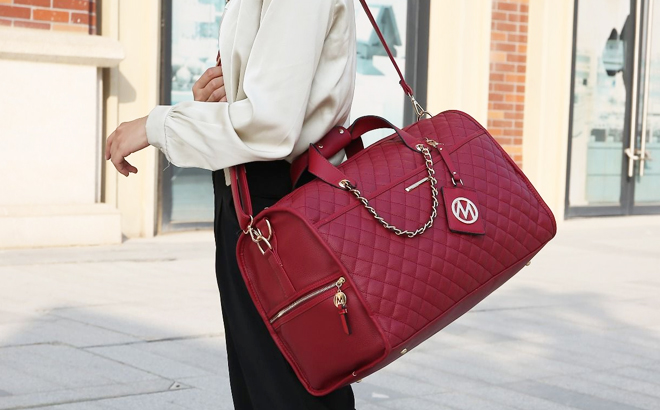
x=502, y=124
x=507, y=6
x=497, y=36
x=499, y=16
x=521, y=68
x=514, y=17
x=513, y=115
x=510, y=47
x=51, y=15
x=504, y=87
x=506, y=27
x=516, y=58
x=80, y=18
x=504, y=68
x=495, y=97
x=517, y=38
x=515, y=78
x=31, y=24
x=495, y=132
x=496, y=76
x=15, y=12
x=503, y=106
x=40, y=3
x=71, y=4
x=524, y=8
x=4, y=22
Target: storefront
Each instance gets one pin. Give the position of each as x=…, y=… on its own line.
x=567, y=87
x=615, y=110
x=502, y=61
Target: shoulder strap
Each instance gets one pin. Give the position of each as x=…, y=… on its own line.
x=402, y=82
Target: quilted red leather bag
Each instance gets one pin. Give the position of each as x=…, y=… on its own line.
x=357, y=267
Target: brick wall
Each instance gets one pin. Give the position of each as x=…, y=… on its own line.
x=508, y=59
x=63, y=15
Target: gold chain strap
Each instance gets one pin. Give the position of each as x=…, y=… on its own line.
x=434, y=194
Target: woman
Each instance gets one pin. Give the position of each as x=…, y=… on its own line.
x=286, y=78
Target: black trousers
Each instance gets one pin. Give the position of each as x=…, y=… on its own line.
x=260, y=377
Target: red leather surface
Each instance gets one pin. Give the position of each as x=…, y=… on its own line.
x=402, y=290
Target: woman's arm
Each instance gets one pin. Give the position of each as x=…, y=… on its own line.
x=264, y=125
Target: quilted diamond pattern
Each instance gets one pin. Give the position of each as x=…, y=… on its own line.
x=409, y=282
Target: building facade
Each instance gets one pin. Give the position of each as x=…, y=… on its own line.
x=566, y=86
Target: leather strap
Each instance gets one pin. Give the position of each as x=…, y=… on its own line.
x=372, y=122
x=241, y=195
x=402, y=82
x=319, y=165
x=453, y=170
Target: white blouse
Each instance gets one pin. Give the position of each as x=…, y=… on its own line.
x=289, y=71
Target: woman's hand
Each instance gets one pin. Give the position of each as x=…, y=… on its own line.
x=211, y=86
x=128, y=138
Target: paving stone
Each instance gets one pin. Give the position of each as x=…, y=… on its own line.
x=139, y=358
x=515, y=399
x=74, y=396
x=590, y=395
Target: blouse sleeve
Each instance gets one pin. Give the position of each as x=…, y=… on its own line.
x=266, y=124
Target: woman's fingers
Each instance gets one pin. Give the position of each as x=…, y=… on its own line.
x=212, y=87
x=210, y=81
x=218, y=95
x=128, y=138
x=124, y=167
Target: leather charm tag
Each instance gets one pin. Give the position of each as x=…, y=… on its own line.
x=463, y=212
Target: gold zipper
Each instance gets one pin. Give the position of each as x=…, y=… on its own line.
x=307, y=297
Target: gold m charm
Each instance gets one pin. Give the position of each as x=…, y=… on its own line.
x=340, y=299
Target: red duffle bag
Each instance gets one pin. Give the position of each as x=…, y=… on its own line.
x=357, y=267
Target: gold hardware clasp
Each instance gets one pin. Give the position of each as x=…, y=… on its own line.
x=257, y=237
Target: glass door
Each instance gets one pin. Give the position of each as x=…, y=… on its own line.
x=610, y=171
x=643, y=167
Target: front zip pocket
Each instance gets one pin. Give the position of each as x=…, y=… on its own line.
x=339, y=300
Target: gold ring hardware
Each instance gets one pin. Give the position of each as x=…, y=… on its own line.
x=345, y=184
x=257, y=237
x=419, y=110
x=432, y=143
x=404, y=351
x=249, y=227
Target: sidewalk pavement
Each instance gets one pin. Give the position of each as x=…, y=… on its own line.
x=138, y=326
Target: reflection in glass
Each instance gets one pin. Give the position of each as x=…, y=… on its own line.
x=195, y=25
x=377, y=90
x=599, y=102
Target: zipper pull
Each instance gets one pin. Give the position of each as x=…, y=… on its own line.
x=340, y=303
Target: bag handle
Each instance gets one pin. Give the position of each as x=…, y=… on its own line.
x=351, y=139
